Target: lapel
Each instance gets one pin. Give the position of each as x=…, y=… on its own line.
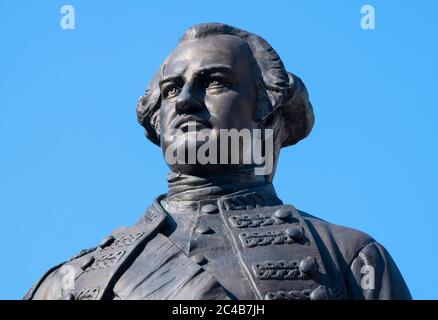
x=140, y=263
x=277, y=251
x=98, y=271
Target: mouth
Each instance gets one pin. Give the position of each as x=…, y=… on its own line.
x=190, y=122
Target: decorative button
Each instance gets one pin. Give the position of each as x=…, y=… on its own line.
x=295, y=232
x=199, y=259
x=209, y=209
x=320, y=293
x=88, y=261
x=282, y=213
x=202, y=229
x=309, y=266
x=106, y=241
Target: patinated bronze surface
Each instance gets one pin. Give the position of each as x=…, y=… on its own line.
x=221, y=232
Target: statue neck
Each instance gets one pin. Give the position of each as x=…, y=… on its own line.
x=188, y=187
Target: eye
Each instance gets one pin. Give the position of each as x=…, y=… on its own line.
x=171, y=91
x=215, y=83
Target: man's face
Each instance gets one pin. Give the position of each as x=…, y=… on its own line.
x=209, y=81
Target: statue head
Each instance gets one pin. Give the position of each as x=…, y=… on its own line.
x=222, y=78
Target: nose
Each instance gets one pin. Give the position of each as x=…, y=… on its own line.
x=187, y=101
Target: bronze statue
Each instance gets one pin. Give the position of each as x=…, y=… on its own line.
x=221, y=232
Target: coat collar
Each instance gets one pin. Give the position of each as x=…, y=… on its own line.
x=250, y=198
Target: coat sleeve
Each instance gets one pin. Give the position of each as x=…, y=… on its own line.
x=373, y=275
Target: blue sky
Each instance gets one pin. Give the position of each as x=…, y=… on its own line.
x=75, y=164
